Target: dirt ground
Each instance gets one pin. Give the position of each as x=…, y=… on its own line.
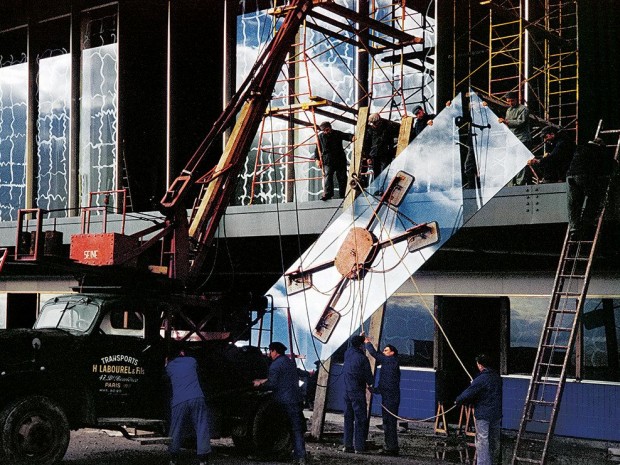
x=419, y=445
x=90, y=446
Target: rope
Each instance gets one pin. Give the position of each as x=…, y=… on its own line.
x=414, y=420
x=426, y=305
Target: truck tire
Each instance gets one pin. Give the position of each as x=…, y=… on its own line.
x=265, y=433
x=34, y=431
x=242, y=439
x=271, y=432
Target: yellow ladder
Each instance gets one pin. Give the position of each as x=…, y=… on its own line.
x=562, y=66
x=506, y=51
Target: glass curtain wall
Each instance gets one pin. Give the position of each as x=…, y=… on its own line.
x=99, y=106
x=53, y=132
x=98, y=116
x=13, y=133
x=601, y=336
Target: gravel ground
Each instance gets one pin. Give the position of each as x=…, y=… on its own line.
x=90, y=446
x=418, y=446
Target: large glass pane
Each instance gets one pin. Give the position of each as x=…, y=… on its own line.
x=527, y=317
x=54, y=133
x=601, y=321
x=434, y=159
x=13, y=123
x=409, y=326
x=98, y=120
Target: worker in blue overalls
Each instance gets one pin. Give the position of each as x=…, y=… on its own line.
x=357, y=378
x=389, y=389
x=188, y=405
x=283, y=380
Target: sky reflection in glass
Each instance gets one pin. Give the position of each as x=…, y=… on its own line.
x=434, y=158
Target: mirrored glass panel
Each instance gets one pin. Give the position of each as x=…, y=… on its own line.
x=13, y=124
x=367, y=253
x=53, y=133
x=409, y=327
x=98, y=120
x=601, y=335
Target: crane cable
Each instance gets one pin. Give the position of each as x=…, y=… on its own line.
x=425, y=304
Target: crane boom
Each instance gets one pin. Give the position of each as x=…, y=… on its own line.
x=249, y=105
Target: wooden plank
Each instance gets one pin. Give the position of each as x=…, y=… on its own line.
x=320, y=400
x=356, y=158
x=404, y=134
x=374, y=334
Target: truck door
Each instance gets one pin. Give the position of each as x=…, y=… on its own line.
x=127, y=365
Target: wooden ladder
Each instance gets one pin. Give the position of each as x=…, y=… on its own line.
x=560, y=329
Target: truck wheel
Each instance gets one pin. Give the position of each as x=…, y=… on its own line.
x=241, y=439
x=271, y=432
x=34, y=431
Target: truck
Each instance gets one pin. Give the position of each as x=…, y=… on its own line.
x=98, y=360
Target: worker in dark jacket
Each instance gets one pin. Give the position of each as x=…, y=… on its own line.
x=283, y=380
x=379, y=144
x=587, y=179
x=330, y=156
x=188, y=404
x=357, y=378
x=485, y=394
x=389, y=389
x=422, y=120
x=558, y=155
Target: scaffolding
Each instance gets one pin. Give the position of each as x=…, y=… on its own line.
x=400, y=75
x=288, y=134
x=563, y=64
x=524, y=46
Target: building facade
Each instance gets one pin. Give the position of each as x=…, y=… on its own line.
x=99, y=96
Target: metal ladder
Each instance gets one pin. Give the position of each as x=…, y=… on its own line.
x=125, y=183
x=557, y=341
